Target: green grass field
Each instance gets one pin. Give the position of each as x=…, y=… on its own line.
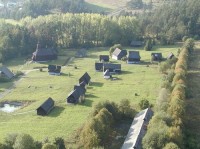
x=37, y=86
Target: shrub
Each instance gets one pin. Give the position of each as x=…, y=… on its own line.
x=171, y=145
x=110, y=106
x=156, y=137
x=144, y=104
x=24, y=141
x=18, y=73
x=125, y=109
x=59, y=142
x=49, y=146
x=184, y=38
x=10, y=140
x=163, y=99
x=148, y=46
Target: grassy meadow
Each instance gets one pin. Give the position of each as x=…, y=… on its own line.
x=36, y=86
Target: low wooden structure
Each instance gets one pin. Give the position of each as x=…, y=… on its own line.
x=46, y=107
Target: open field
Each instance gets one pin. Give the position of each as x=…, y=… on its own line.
x=37, y=86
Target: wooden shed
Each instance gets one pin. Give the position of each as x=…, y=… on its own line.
x=46, y=107
x=44, y=54
x=85, y=78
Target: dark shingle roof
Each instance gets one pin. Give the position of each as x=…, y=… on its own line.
x=6, y=72
x=157, y=56
x=80, y=89
x=85, y=78
x=112, y=66
x=99, y=66
x=47, y=105
x=105, y=58
x=134, y=54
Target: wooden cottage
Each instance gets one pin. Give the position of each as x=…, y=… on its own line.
x=137, y=130
x=118, y=54
x=46, y=107
x=99, y=66
x=133, y=57
x=156, y=56
x=104, y=58
x=81, y=91
x=85, y=78
x=74, y=97
x=44, y=54
x=5, y=72
x=54, y=69
x=113, y=68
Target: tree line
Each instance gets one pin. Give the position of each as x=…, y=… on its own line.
x=65, y=31
x=35, y=8
x=167, y=125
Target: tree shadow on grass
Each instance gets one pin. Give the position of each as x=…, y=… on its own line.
x=87, y=103
x=97, y=84
x=126, y=72
x=57, y=110
x=90, y=96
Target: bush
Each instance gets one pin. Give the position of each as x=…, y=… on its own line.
x=110, y=106
x=59, y=142
x=184, y=38
x=144, y=104
x=171, y=145
x=125, y=109
x=156, y=137
x=148, y=46
x=49, y=146
x=24, y=141
x=10, y=140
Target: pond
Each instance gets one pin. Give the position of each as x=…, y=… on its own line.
x=10, y=107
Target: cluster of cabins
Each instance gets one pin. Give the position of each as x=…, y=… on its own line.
x=107, y=68
x=75, y=96
x=78, y=93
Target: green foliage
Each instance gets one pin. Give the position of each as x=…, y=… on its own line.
x=148, y=46
x=49, y=146
x=144, y=104
x=112, y=107
x=189, y=44
x=59, y=142
x=10, y=140
x=171, y=145
x=112, y=49
x=125, y=109
x=96, y=131
x=156, y=137
x=184, y=38
x=163, y=99
x=24, y=141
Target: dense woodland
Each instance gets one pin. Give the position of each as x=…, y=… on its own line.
x=35, y=8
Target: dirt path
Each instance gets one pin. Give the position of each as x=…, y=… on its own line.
x=193, y=103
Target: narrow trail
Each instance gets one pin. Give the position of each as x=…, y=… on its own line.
x=192, y=123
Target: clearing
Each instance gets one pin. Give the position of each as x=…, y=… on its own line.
x=65, y=119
